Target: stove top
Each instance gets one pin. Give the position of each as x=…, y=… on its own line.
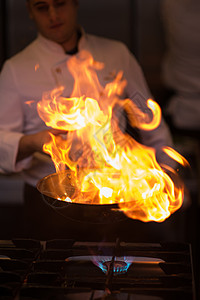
x=68, y=269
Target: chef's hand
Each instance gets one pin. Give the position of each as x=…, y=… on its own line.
x=31, y=143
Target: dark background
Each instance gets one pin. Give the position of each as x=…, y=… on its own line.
x=138, y=24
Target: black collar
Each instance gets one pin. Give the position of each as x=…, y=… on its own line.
x=75, y=49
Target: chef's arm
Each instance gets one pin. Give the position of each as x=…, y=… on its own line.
x=29, y=144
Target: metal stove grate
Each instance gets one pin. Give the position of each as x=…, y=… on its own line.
x=67, y=269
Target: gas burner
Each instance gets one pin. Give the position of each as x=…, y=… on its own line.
x=119, y=267
x=121, y=264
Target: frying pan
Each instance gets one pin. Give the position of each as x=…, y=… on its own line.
x=60, y=185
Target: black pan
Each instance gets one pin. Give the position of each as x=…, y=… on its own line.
x=58, y=185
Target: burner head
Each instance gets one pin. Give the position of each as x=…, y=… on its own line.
x=120, y=264
x=119, y=267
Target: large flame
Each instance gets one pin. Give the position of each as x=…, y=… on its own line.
x=107, y=165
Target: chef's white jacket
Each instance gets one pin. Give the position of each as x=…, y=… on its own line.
x=40, y=67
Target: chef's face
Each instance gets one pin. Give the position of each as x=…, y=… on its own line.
x=55, y=19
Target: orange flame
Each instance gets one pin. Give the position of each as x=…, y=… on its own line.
x=30, y=102
x=107, y=165
x=37, y=67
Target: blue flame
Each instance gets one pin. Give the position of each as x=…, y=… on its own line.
x=120, y=266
